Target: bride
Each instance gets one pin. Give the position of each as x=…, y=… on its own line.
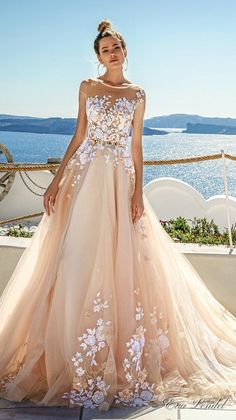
x=101, y=310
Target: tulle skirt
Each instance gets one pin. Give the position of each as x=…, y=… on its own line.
x=102, y=312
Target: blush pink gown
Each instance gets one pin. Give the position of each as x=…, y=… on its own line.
x=99, y=311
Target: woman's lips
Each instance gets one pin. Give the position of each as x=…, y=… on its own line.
x=113, y=60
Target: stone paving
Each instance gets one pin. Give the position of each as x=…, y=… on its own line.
x=26, y=410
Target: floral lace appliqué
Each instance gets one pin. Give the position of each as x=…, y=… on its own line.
x=9, y=378
x=89, y=389
x=108, y=131
x=140, y=392
x=16, y=368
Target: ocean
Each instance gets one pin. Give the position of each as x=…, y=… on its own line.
x=206, y=177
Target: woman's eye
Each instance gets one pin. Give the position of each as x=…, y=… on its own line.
x=107, y=50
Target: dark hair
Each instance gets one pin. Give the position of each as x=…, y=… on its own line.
x=105, y=28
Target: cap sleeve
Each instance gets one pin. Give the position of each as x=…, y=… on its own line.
x=140, y=98
x=140, y=95
x=83, y=88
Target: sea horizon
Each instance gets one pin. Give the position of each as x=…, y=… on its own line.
x=206, y=177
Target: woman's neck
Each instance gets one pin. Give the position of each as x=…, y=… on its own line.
x=114, y=80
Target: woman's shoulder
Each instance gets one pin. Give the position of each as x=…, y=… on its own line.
x=138, y=89
x=88, y=82
x=86, y=86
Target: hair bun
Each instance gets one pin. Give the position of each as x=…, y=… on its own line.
x=104, y=24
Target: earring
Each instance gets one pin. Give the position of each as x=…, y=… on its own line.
x=98, y=69
x=127, y=64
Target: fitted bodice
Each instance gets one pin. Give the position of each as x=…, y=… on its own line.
x=110, y=111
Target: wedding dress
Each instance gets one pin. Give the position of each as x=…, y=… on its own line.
x=101, y=311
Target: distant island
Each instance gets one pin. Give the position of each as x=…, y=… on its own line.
x=209, y=129
x=181, y=121
x=54, y=125
x=153, y=131
x=152, y=126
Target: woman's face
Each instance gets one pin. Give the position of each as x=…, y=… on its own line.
x=111, y=52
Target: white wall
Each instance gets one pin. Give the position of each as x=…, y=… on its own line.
x=171, y=198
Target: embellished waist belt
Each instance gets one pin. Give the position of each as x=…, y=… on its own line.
x=111, y=143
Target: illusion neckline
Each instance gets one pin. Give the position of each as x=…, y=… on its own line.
x=115, y=87
x=107, y=96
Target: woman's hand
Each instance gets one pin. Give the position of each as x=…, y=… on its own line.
x=137, y=206
x=50, y=194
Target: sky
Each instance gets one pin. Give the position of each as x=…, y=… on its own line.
x=182, y=52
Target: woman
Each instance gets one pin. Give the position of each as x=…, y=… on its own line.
x=101, y=309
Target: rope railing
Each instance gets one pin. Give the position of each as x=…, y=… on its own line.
x=18, y=167
x=15, y=219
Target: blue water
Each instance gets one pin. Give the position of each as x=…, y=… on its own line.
x=206, y=177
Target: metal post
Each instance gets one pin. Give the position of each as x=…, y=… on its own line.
x=178, y=414
x=227, y=199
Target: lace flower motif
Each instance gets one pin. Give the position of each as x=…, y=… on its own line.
x=9, y=378
x=108, y=129
x=139, y=392
x=89, y=389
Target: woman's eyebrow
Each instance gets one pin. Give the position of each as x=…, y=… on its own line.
x=112, y=45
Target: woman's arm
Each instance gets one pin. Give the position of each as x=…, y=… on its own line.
x=49, y=197
x=137, y=157
x=80, y=131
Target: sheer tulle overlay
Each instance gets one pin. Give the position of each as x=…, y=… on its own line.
x=99, y=311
